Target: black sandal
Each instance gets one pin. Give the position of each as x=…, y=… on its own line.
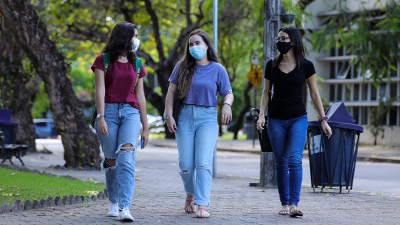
x=295, y=211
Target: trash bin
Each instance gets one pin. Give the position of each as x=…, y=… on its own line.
x=333, y=161
x=9, y=128
x=251, y=130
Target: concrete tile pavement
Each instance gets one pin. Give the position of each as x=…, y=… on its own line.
x=365, y=153
x=159, y=199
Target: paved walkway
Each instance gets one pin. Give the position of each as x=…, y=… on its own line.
x=159, y=199
x=365, y=153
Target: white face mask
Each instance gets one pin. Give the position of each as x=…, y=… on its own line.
x=135, y=45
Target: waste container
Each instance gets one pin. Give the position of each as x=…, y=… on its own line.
x=333, y=161
x=251, y=130
x=9, y=128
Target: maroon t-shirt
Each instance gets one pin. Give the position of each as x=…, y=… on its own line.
x=119, y=81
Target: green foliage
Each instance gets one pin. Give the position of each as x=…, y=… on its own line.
x=292, y=7
x=31, y=186
x=41, y=104
x=377, y=118
x=370, y=36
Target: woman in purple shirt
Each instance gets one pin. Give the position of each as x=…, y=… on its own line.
x=199, y=78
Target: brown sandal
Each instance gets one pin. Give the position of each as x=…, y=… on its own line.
x=190, y=208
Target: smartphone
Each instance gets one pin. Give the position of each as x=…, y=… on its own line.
x=142, y=143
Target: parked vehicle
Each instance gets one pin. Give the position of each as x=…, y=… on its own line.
x=44, y=128
x=156, y=124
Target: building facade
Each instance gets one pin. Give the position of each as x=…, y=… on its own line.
x=344, y=83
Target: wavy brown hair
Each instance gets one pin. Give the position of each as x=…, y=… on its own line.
x=188, y=63
x=119, y=42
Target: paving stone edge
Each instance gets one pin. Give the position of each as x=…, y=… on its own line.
x=50, y=201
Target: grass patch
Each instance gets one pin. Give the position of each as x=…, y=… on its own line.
x=20, y=185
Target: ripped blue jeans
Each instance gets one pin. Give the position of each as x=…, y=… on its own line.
x=196, y=137
x=123, y=123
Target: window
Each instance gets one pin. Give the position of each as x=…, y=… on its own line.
x=339, y=93
x=333, y=71
x=356, y=114
x=364, y=95
x=332, y=93
x=393, y=117
x=393, y=73
x=382, y=92
x=373, y=92
x=393, y=90
x=356, y=92
x=41, y=124
x=348, y=92
x=364, y=115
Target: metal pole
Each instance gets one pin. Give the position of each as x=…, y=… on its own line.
x=215, y=25
x=215, y=32
x=272, y=24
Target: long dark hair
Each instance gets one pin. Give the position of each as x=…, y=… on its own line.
x=120, y=42
x=188, y=63
x=297, y=45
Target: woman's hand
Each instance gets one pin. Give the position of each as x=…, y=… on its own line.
x=326, y=128
x=260, y=122
x=145, y=136
x=171, y=124
x=226, y=114
x=102, y=126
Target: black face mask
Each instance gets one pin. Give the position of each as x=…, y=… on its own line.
x=283, y=47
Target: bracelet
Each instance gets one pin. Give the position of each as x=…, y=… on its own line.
x=227, y=104
x=323, y=118
x=167, y=117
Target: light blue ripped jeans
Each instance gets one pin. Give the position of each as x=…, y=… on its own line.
x=123, y=123
x=196, y=137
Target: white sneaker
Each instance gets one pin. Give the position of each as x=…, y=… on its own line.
x=126, y=215
x=113, y=211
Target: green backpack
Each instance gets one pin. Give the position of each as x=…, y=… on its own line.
x=106, y=64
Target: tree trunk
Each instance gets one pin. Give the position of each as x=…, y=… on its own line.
x=246, y=109
x=18, y=88
x=81, y=146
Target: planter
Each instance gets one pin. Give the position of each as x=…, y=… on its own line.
x=287, y=18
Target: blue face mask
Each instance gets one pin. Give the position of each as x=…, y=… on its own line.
x=197, y=52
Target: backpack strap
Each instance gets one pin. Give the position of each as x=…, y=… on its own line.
x=106, y=61
x=138, y=65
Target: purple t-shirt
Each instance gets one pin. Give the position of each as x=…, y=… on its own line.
x=207, y=82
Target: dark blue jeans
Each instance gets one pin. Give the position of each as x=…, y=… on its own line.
x=288, y=138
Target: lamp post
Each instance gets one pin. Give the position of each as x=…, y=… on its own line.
x=215, y=34
x=272, y=23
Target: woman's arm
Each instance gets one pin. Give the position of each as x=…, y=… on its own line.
x=169, y=102
x=139, y=92
x=263, y=107
x=314, y=94
x=100, y=93
x=226, y=110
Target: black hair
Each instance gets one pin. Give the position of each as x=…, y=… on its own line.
x=297, y=45
x=120, y=42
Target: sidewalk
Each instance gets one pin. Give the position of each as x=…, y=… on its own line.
x=365, y=153
x=159, y=198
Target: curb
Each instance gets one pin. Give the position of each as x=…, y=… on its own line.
x=50, y=201
x=257, y=151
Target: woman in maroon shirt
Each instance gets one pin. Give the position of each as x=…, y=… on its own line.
x=121, y=106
